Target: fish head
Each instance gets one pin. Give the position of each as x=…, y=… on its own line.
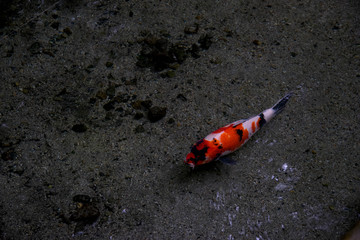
x=190, y=160
x=197, y=155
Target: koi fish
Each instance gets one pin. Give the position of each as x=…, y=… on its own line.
x=231, y=137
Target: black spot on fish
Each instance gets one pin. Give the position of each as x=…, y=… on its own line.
x=240, y=133
x=220, y=147
x=262, y=120
x=199, y=150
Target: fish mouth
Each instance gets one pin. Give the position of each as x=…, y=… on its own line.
x=191, y=165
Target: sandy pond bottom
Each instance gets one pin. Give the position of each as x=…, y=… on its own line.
x=101, y=100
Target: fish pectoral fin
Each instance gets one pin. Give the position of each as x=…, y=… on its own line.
x=227, y=160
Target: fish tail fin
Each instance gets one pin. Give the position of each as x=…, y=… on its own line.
x=279, y=106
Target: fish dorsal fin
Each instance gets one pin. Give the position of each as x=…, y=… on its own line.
x=238, y=122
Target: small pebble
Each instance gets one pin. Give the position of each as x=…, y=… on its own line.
x=109, y=64
x=156, y=113
x=138, y=115
x=257, y=42
x=139, y=129
x=79, y=128
x=67, y=31
x=101, y=95
x=192, y=29
x=109, y=106
x=170, y=121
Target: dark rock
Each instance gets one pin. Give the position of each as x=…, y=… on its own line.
x=109, y=106
x=61, y=95
x=86, y=212
x=8, y=155
x=109, y=64
x=67, y=31
x=228, y=32
x=89, y=68
x=102, y=20
x=205, y=41
x=159, y=53
x=110, y=76
x=5, y=143
x=155, y=54
x=101, y=94
x=120, y=109
x=110, y=91
x=146, y=103
x=156, y=113
x=79, y=128
x=170, y=121
x=195, y=51
x=122, y=98
x=336, y=27
x=109, y=116
x=92, y=100
x=179, y=52
x=55, y=25
x=10, y=51
x=118, y=122
x=48, y=52
x=138, y=115
x=8, y=11
x=257, y=42
x=168, y=74
x=191, y=29
x=82, y=198
x=136, y=105
x=35, y=48
x=216, y=60
x=139, y=129
x=127, y=112
x=141, y=104
x=25, y=90
x=131, y=82
x=181, y=97
x=17, y=169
